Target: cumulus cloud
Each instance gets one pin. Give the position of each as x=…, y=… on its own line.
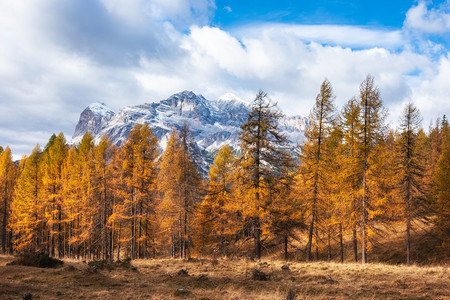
x=427, y=20
x=58, y=57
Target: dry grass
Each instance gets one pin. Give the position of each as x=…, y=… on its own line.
x=226, y=279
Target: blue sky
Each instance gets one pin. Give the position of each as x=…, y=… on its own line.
x=57, y=57
x=370, y=13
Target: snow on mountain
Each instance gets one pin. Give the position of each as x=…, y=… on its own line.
x=214, y=123
x=94, y=118
x=229, y=97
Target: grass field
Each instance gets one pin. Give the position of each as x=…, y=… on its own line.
x=224, y=279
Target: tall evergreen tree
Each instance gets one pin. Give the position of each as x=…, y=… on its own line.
x=351, y=167
x=215, y=215
x=103, y=188
x=8, y=174
x=264, y=159
x=73, y=205
x=53, y=158
x=139, y=155
x=411, y=171
x=441, y=180
x=27, y=210
x=314, y=152
x=179, y=183
x=372, y=117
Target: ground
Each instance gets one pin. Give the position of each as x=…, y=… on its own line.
x=224, y=279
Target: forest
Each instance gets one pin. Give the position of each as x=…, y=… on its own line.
x=353, y=180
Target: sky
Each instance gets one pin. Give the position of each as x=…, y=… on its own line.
x=58, y=56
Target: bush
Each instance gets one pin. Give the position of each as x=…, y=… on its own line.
x=110, y=265
x=40, y=260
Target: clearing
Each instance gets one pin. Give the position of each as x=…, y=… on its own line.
x=224, y=279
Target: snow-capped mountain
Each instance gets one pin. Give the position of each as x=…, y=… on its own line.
x=213, y=122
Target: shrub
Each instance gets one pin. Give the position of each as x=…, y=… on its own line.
x=40, y=260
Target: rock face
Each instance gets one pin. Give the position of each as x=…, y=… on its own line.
x=213, y=122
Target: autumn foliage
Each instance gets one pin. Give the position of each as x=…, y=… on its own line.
x=351, y=181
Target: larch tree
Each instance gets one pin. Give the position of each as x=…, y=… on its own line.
x=169, y=208
x=103, y=189
x=285, y=213
x=314, y=152
x=351, y=168
x=179, y=183
x=441, y=182
x=89, y=205
x=372, y=115
x=139, y=155
x=411, y=171
x=27, y=210
x=264, y=157
x=72, y=204
x=54, y=155
x=335, y=212
x=8, y=175
x=214, y=218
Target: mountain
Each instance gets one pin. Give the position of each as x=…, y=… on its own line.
x=213, y=122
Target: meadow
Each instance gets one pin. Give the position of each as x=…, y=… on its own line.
x=223, y=279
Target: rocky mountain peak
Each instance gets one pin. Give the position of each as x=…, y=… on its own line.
x=213, y=122
x=93, y=118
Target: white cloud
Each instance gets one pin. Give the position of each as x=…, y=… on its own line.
x=432, y=93
x=347, y=36
x=429, y=20
x=57, y=58
x=182, y=13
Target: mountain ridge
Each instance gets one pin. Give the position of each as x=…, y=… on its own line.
x=213, y=122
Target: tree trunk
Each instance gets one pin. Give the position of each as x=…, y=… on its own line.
x=285, y=247
x=329, y=246
x=341, y=242
x=408, y=229
x=104, y=229
x=5, y=218
x=355, y=244
x=257, y=243
x=118, y=241
x=60, y=240
x=185, y=240
x=133, y=229
x=310, y=237
x=363, y=221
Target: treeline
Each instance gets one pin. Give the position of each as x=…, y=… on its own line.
x=352, y=179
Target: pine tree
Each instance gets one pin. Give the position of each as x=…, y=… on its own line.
x=411, y=171
x=351, y=168
x=72, y=204
x=441, y=180
x=87, y=202
x=139, y=155
x=337, y=207
x=103, y=154
x=8, y=174
x=215, y=214
x=285, y=213
x=321, y=121
x=372, y=117
x=27, y=210
x=179, y=183
x=53, y=158
x=264, y=159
